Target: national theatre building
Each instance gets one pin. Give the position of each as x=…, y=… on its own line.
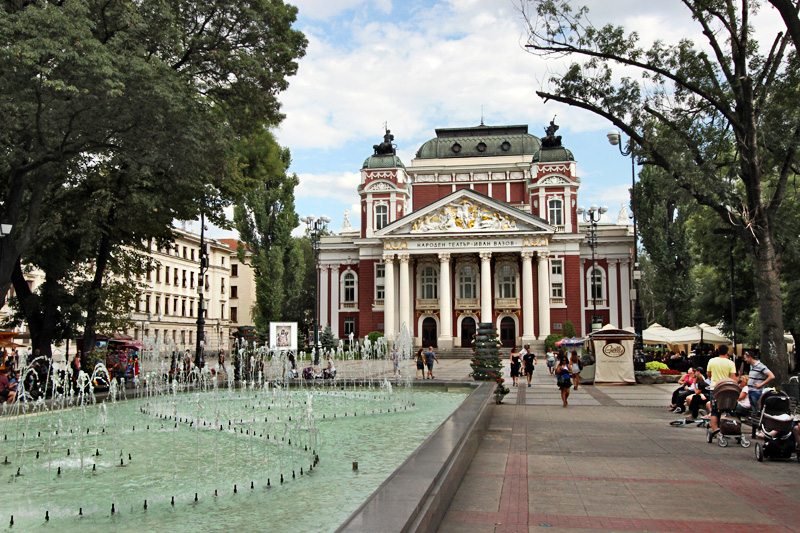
x=481, y=227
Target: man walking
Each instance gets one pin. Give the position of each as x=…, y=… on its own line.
x=430, y=357
x=760, y=375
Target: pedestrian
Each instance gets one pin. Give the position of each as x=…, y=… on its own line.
x=221, y=362
x=396, y=360
x=430, y=357
x=420, y=364
x=7, y=389
x=551, y=361
x=759, y=376
x=563, y=380
x=719, y=367
x=529, y=360
x=575, y=367
x=516, y=364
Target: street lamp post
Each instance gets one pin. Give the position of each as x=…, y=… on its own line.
x=316, y=226
x=592, y=217
x=198, y=360
x=615, y=139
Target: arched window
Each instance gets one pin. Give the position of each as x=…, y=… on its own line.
x=507, y=282
x=429, y=283
x=381, y=216
x=555, y=212
x=596, y=281
x=467, y=282
x=349, y=287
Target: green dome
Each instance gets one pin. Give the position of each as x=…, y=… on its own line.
x=480, y=141
x=383, y=161
x=552, y=155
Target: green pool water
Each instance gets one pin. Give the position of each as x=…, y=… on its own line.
x=173, y=447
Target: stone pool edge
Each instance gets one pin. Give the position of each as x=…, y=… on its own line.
x=416, y=496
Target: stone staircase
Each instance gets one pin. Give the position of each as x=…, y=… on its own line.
x=454, y=353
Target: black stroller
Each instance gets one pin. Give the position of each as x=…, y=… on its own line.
x=724, y=401
x=775, y=422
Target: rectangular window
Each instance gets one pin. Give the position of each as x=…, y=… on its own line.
x=138, y=305
x=558, y=290
x=222, y=311
x=556, y=278
x=183, y=307
x=158, y=274
x=149, y=275
x=184, y=252
x=234, y=270
x=175, y=306
x=380, y=281
x=146, y=304
x=184, y=279
x=349, y=325
x=191, y=280
x=234, y=314
x=191, y=308
x=223, y=261
x=190, y=336
x=175, y=278
x=192, y=254
x=234, y=291
x=166, y=275
x=158, y=305
x=381, y=216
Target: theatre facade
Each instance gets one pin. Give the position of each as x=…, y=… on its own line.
x=481, y=227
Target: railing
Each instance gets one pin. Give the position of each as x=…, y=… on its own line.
x=601, y=302
x=427, y=303
x=378, y=302
x=468, y=303
x=506, y=303
x=557, y=301
x=349, y=305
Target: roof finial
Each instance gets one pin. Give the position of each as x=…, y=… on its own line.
x=482, y=124
x=386, y=147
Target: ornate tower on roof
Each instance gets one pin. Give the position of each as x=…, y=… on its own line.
x=384, y=189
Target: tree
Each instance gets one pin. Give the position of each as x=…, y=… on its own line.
x=161, y=89
x=722, y=125
x=265, y=221
x=662, y=211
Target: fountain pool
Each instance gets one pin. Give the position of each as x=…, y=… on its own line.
x=207, y=461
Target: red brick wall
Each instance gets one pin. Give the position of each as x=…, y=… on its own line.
x=482, y=188
x=573, y=277
x=517, y=192
x=366, y=319
x=499, y=191
x=425, y=194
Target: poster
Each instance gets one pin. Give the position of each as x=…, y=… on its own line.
x=283, y=335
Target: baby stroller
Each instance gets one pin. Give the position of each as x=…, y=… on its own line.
x=308, y=372
x=775, y=423
x=724, y=401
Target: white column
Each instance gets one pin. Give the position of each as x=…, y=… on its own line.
x=335, y=300
x=613, y=293
x=625, y=294
x=445, y=303
x=323, y=296
x=543, y=272
x=404, y=292
x=486, y=287
x=528, y=333
x=389, y=301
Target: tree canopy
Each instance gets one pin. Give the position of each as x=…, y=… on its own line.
x=718, y=117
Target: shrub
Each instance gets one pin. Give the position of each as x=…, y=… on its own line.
x=655, y=365
x=373, y=336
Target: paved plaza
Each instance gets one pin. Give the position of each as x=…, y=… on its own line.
x=611, y=462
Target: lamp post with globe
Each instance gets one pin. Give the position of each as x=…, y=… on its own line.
x=316, y=228
x=592, y=217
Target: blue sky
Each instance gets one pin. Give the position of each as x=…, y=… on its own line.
x=420, y=65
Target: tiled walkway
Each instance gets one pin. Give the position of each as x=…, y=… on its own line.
x=611, y=462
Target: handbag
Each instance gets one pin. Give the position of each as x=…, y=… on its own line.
x=561, y=379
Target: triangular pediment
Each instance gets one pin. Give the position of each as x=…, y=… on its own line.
x=466, y=212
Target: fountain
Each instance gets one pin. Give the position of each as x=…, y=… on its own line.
x=178, y=439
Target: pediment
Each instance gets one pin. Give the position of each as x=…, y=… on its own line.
x=466, y=212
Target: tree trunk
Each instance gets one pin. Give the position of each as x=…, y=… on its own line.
x=93, y=300
x=766, y=281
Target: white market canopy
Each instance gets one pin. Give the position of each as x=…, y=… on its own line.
x=658, y=334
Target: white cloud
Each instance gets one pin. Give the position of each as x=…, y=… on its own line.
x=325, y=9
x=340, y=186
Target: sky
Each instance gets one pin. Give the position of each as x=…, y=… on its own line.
x=418, y=65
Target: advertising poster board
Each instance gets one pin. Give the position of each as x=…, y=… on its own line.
x=283, y=335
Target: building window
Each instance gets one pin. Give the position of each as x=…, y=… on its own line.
x=192, y=260
x=507, y=282
x=147, y=304
x=183, y=307
x=429, y=283
x=381, y=216
x=158, y=305
x=234, y=291
x=184, y=279
x=175, y=306
x=190, y=333
x=149, y=275
x=138, y=306
x=556, y=212
x=557, y=290
x=222, y=311
x=556, y=278
x=175, y=277
x=222, y=286
x=183, y=331
x=234, y=270
x=158, y=274
x=234, y=314
x=596, y=281
x=166, y=275
x=191, y=308
x=380, y=281
x=349, y=325
x=349, y=286
x=467, y=282
x=191, y=280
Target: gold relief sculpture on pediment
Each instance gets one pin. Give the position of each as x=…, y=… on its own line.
x=463, y=216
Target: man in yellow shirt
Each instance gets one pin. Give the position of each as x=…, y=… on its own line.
x=719, y=368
